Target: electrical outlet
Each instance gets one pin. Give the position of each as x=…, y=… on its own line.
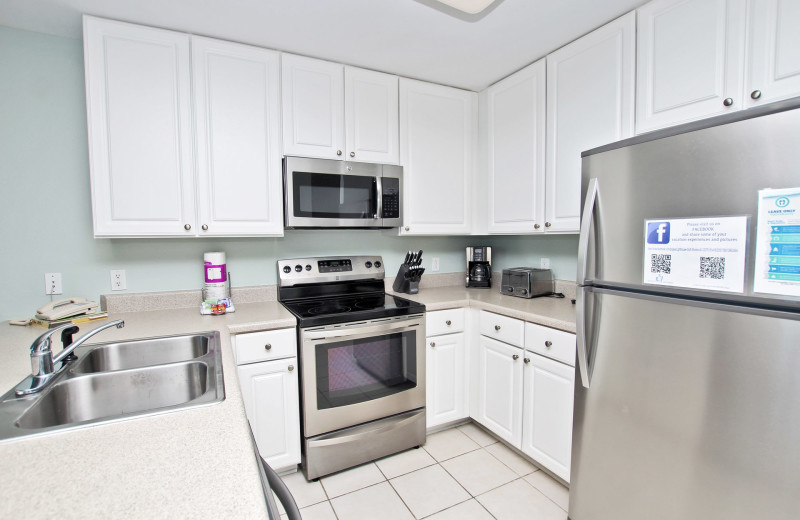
x=435, y=264
x=118, y=282
x=52, y=283
x=545, y=263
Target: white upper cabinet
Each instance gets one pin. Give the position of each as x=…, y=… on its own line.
x=371, y=116
x=337, y=112
x=437, y=143
x=516, y=148
x=237, y=117
x=590, y=102
x=138, y=97
x=773, y=66
x=690, y=59
x=313, y=107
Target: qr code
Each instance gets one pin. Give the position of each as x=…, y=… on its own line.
x=660, y=263
x=712, y=267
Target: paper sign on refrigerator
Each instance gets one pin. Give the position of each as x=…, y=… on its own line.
x=777, y=268
x=706, y=253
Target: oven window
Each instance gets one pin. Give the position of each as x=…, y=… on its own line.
x=322, y=195
x=360, y=370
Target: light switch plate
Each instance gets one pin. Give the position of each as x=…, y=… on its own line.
x=545, y=263
x=435, y=264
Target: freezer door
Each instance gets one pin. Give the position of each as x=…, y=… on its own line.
x=711, y=172
x=692, y=412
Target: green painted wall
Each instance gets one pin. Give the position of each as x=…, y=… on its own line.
x=45, y=208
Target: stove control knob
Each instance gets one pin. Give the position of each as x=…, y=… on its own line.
x=524, y=291
x=298, y=268
x=368, y=264
x=377, y=264
x=287, y=269
x=308, y=267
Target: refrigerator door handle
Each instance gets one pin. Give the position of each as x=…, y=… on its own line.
x=580, y=335
x=586, y=224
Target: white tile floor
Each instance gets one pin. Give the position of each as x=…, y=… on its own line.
x=462, y=473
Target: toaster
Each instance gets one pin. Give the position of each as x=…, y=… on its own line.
x=527, y=282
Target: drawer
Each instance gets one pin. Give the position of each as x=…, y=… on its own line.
x=502, y=328
x=552, y=343
x=264, y=346
x=444, y=322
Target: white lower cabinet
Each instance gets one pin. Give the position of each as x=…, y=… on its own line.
x=270, y=395
x=547, y=416
x=500, y=389
x=446, y=368
x=526, y=398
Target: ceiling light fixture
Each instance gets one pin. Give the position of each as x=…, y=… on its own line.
x=468, y=6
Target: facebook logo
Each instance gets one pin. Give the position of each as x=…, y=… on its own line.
x=658, y=232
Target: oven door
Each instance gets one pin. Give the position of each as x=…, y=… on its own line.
x=326, y=193
x=352, y=374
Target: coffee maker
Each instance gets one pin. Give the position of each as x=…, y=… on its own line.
x=479, y=267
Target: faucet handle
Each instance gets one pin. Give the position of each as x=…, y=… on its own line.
x=42, y=343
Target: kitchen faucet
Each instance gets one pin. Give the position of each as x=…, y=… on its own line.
x=43, y=363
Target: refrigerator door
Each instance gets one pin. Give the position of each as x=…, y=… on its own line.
x=691, y=412
x=710, y=172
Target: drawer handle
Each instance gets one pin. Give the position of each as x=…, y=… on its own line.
x=527, y=360
x=268, y=346
x=448, y=323
x=433, y=344
x=548, y=344
x=515, y=357
x=497, y=327
x=291, y=367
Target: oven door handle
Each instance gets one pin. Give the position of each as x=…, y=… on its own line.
x=361, y=331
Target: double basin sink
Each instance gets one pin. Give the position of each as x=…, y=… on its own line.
x=121, y=380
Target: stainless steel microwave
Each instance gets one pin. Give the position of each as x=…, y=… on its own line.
x=323, y=193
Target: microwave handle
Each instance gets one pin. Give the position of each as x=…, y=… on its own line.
x=379, y=197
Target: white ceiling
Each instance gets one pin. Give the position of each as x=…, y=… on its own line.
x=420, y=39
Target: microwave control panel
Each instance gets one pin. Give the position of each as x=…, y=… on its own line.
x=391, y=197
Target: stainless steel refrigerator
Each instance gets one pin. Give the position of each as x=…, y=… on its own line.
x=687, y=402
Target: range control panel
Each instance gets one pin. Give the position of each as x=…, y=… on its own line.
x=329, y=269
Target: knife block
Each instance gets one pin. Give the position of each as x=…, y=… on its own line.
x=403, y=283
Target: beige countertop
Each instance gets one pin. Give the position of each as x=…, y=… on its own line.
x=558, y=313
x=195, y=463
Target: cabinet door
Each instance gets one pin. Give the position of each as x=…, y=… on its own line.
x=516, y=133
x=313, y=107
x=547, y=426
x=237, y=117
x=437, y=142
x=270, y=395
x=371, y=118
x=138, y=97
x=500, y=389
x=444, y=379
x=774, y=51
x=689, y=63
x=590, y=85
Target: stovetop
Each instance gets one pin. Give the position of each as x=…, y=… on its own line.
x=329, y=290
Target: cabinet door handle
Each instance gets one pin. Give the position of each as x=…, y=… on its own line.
x=536, y=226
x=406, y=228
x=338, y=152
x=527, y=360
x=268, y=346
x=728, y=102
x=433, y=344
x=547, y=224
x=187, y=227
x=352, y=154
x=497, y=327
x=205, y=227
x=448, y=323
x=515, y=357
x=548, y=344
x=755, y=94
x=291, y=367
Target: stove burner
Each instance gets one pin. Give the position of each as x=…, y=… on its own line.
x=329, y=308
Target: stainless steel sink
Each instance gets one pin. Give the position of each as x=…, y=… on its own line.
x=143, y=353
x=121, y=380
